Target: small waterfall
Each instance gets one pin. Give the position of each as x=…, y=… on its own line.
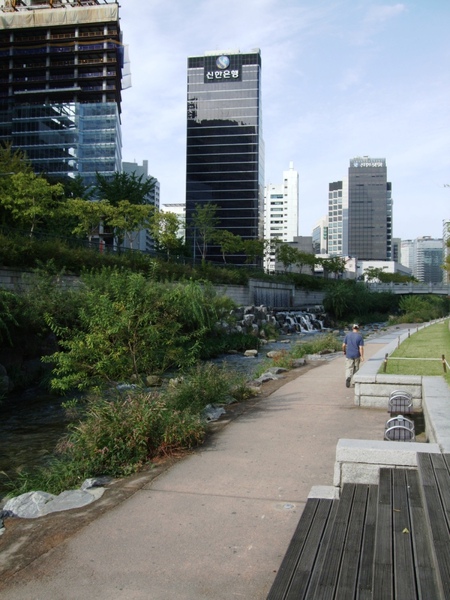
x=299, y=321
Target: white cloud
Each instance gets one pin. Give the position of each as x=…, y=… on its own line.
x=382, y=13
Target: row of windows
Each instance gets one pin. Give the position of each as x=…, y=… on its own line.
x=241, y=93
x=229, y=195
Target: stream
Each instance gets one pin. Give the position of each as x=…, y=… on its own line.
x=31, y=424
x=30, y=427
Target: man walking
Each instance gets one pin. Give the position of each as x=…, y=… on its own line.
x=353, y=348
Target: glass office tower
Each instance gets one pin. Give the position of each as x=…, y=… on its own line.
x=369, y=209
x=61, y=67
x=225, y=155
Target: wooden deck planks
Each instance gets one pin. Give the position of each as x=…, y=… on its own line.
x=365, y=582
x=349, y=570
x=329, y=575
x=313, y=508
x=389, y=541
x=305, y=575
x=436, y=515
x=320, y=563
x=383, y=569
x=403, y=550
x=426, y=576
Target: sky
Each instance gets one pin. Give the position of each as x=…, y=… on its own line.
x=340, y=79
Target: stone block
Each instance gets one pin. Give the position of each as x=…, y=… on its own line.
x=359, y=461
x=324, y=491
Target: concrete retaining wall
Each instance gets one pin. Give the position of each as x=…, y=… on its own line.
x=256, y=293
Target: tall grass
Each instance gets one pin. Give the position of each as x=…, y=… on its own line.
x=119, y=435
x=321, y=343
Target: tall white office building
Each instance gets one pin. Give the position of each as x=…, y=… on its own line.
x=281, y=212
x=424, y=256
x=320, y=236
x=337, y=233
x=446, y=249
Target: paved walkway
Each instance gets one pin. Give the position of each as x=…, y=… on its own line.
x=214, y=526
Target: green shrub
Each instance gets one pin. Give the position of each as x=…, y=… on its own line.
x=205, y=384
x=320, y=343
x=116, y=437
x=129, y=327
x=420, y=309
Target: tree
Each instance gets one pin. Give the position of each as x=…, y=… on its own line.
x=339, y=300
x=305, y=258
x=333, y=264
x=124, y=191
x=287, y=255
x=126, y=219
x=164, y=227
x=11, y=162
x=229, y=242
x=254, y=249
x=373, y=273
x=204, y=222
x=74, y=187
x=124, y=186
x=90, y=215
x=30, y=199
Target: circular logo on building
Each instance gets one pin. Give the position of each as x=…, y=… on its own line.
x=223, y=62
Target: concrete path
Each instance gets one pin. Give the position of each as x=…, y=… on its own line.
x=215, y=526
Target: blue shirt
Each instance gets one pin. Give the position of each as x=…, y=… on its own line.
x=352, y=342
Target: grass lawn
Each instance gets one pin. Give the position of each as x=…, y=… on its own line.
x=426, y=347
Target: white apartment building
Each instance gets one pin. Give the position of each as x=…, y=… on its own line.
x=424, y=256
x=446, y=249
x=337, y=233
x=281, y=212
x=320, y=236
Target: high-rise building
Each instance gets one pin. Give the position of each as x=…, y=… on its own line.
x=369, y=209
x=281, y=212
x=446, y=249
x=62, y=68
x=320, y=236
x=142, y=239
x=225, y=154
x=337, y=234
x=424, y=256
x=396, y=249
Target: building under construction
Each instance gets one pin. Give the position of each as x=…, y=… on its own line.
x=62, y=70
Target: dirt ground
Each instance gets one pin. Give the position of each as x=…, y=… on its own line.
x=25, y=540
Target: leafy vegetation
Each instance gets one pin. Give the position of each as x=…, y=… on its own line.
x=353, y=301
x=420, y=309
x=320, y=344
x=117, y=436
x=129, y=328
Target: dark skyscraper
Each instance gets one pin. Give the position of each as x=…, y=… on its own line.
x=61, y=68
x=225, y=155
x=369, y=209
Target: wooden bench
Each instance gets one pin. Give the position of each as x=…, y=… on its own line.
x=377, y=542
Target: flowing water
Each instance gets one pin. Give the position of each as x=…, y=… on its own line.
x=30, y=427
